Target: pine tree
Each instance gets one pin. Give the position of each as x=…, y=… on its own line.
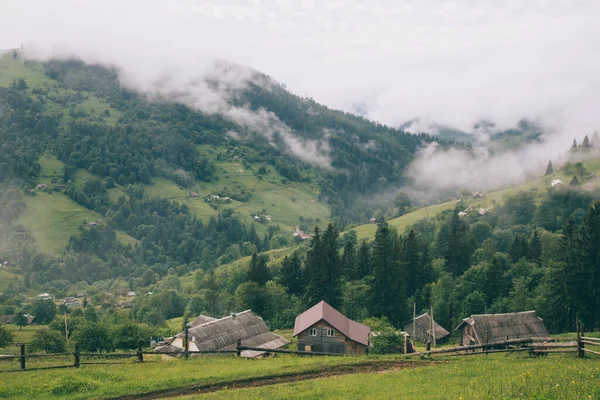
x=314, y=274
x=460, y=246
x=412, y=258
x=363, y=263
x=549, y=169
x=258, y=271
x=291, y=274
x=535, y=247
x=586, y=142
x=574, y=182
x=576, y=273
x=348, y=261
x=389, y=286
x=519, y=248
x=574, y=145
x=211, y=296
x=331, y=267
x=590, y=248
x=596, y=139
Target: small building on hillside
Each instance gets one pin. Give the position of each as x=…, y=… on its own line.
x=71, y=302
x=223, y=334
x=44, y=296
x=422, y=329
x=491, y=328
x=373, y=220
x=124, y=304
x=322, y=328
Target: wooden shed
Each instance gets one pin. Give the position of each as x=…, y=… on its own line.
x=322, y=328
x=490, y=328
x=223, y=334
x=422, y=329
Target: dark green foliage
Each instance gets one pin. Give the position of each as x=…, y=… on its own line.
x=459, y=245
x=93, y=337
x=291, y=274
x=322, y=269
x=6, y=337
x=20, y=319
x=43, y=310
x=126, y=336
x=389, y=276
x=549, y=169
x=258, y=271
x=348, y=260
x=363, y=262
x=519, y=248
x=47, y=341
x=251, y=295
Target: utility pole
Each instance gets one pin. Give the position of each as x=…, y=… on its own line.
x=66, y=329
x=414, y=317
x=432, y=327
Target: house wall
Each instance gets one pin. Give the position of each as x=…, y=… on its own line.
x=338, y=343
x=467, y=332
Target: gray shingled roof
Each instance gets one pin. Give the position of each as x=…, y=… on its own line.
x=499, y=327
x=423, y=327
x=223, y=334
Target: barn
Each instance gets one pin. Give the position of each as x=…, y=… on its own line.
x=322, y=328
x=222, y=334
x=491, y=328
x=422, y=329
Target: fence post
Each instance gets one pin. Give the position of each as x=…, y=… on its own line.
x=76, y=365
x=580, y=344
x=238, y=350
x=22, y=358
x=139, y=352
x=187, y=342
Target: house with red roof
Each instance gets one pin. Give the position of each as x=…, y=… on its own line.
x=322, y=328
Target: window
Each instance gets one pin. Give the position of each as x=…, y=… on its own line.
x=312, y=332
x=330, y=332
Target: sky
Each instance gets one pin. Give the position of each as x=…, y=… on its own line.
x=453, y=62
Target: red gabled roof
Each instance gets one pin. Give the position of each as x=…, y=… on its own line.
x=323, y=311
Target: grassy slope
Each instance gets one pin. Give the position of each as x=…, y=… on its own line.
x=491, y=377
x=539, y=186
x=7, y=278
x=111, y=381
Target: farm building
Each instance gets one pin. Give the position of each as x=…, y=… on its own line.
x=422, y=329
x=490, y=328
x=322, y=328
x=223, y=334
x=201, y=319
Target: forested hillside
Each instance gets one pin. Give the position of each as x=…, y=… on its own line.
x=103, y=189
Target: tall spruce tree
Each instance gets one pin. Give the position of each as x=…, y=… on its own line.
x=586, y=143
x=519, y=248
x=590, y=260
x=363, y=262
x=314, y=274
x=389, y=287
x=291, y=274
x=411, y=257
x=535, y=247
x=348, y=261
x=257, y=270
x=459, y=247
x=549, y=169
x=331, y=267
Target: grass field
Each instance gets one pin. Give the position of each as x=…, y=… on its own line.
x=109, y=381
x=491, y=377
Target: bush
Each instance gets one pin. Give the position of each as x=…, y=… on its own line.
x=6, y=337
x=48, y=341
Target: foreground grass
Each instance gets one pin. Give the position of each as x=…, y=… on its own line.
x=492, y=377
x=102, y=381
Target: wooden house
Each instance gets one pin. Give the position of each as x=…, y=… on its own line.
x=223, y=334
x=322, y=328
x=422, y=329
x=491, y=328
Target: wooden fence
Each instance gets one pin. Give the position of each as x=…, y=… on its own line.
x=583, y=340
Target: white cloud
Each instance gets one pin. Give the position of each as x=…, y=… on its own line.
x=452, y=62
